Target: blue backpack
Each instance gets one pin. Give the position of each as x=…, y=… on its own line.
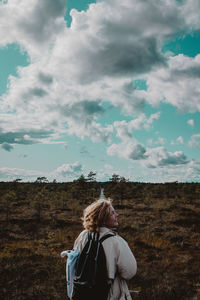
x=70, y=268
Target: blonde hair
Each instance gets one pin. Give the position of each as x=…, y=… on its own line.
x=95, y=214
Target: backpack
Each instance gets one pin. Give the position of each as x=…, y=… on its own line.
x=70, y=268
x=91, y=280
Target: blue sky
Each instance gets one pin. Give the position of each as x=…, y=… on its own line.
x=106, y=86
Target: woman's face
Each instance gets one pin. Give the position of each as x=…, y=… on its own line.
x=111, y=221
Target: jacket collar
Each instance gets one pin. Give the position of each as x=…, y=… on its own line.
x=105, y=230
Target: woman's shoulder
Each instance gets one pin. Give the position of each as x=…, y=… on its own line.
x=117, y=243
x=83, y=233
x=81, y=237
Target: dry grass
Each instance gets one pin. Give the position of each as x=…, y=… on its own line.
x=163, y=234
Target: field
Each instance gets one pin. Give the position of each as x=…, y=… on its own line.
x=161, y=223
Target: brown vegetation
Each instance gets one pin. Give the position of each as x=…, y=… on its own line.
x=161, y=223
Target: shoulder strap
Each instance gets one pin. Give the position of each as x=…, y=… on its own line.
x=106, y=236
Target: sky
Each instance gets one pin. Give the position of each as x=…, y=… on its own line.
x=106, y=86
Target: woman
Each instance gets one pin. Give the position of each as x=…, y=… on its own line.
x=121, y=265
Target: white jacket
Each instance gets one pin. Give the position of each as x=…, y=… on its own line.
x=121, y=263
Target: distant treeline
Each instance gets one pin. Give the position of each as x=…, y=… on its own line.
x=53, y=195
x=123, y=189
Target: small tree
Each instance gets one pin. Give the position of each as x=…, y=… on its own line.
x=80, y=188
x=41, y=179
x=115, y=178
x=17, y=180
x=81, y=179
x=91, y=177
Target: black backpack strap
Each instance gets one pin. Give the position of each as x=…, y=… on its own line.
x=106, y=236
x=90, y=240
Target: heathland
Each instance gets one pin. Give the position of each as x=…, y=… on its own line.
x=161, y=223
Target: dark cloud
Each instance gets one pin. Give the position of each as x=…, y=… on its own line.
x=134, y=57
x=45, y=78
x=41, y=24
x=160, y=157
x=83, y=109
x=138, y=152
x=38, y=92
x=7, y=147
x=129, y=150
x=92, y=107
x=129, y=87
x=172, y=159
x=25, y=138
x=119, y=58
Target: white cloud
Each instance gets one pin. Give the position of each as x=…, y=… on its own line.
x=172, y=173
x=179, y=141
x=149, y=157
x=66, y=172
x=72, y=70
x=34, y=24
x=9, y=174
x=159, y=141
x=125, y=129
x=128, y=150
x=190, y=122
x=124, y=41
x=69, y=170
x=160, y=157
x=190, y=12
x=92, y=130
x=194, y=141
x=177, y=84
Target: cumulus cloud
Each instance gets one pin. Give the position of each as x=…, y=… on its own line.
x=194, y=141
x=26, y=139
x=93, y=130
x=179, y=141
x=178, y=84
x=190, y=122
x=65, y=172
x=160, y=157
x=149, y=157
x=112, y=44
x=72, y=70
x=159, y=141
x=50, y=105
x=124, y=129
x=34, y=24
x=9, y=174
x=69, y=170
x=124, y=41
x=173, y=173
x=130, y=150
